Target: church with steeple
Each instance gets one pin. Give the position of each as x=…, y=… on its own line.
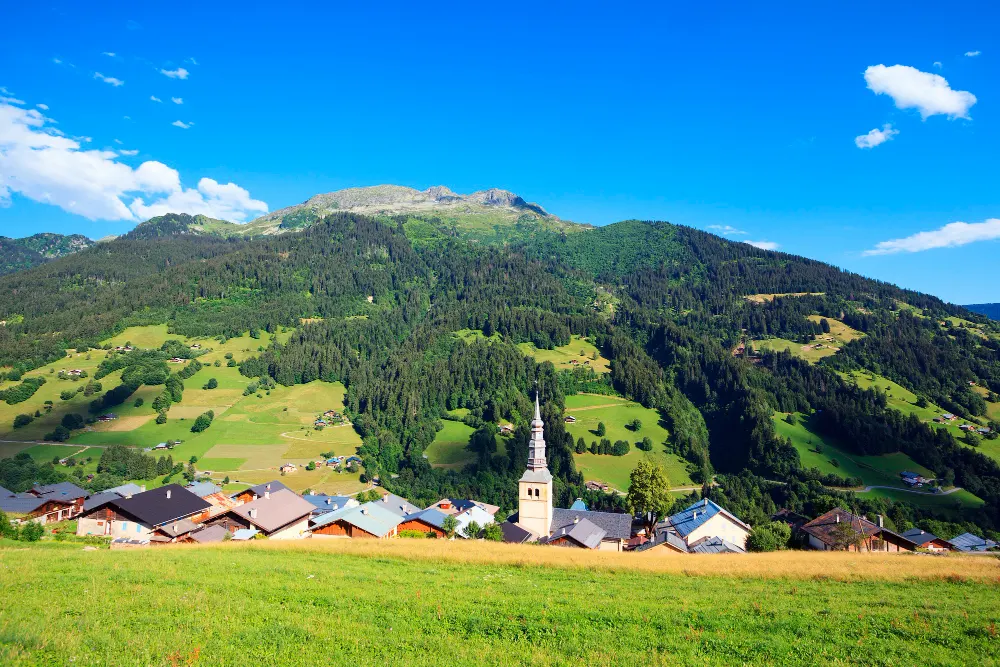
x=537, y=520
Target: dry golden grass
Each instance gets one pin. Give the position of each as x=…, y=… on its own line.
x=761, y=298
x=839, y=566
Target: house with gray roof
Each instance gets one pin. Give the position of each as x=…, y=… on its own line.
x=162, y=511
x=715, y=545
x=255, y=492
x=279, y=515
x=397, y=505
x=430, y=520
x=324, y=503
x=928, y=541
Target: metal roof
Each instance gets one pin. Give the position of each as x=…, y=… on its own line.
x=696, y=515
x=5, y=493
x=578, y=504
x=397, y=505
x=919, y=537
x=59, y=491
x=715, y=545
x=214, y=533
x=125, y=490
x=99, y=500
x=202, y=489
x=372, y=518
x=430, y=516
x=272, y=486
x=325, y=503
x=477, y=514
x=17, y=505
x=463, y=505
x=513, y=533
x=970, y=542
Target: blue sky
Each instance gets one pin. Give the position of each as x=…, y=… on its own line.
x=742, y=116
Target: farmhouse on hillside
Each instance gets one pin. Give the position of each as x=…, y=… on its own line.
x=561, y=527
x=47, y=508
x=827, y=533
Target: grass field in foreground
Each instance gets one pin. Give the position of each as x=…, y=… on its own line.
x=433, y=602
x=591, y=409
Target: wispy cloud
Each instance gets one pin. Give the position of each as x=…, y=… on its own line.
x=179, y=73
x=726, y=230
x=181, y=124
x=910, y=88
x=177, y=100
x=191, y=61
x=875, y=137
x=764, y=245
x=119, y=142
x=129, y=153
x=57, y=61
x=155, y=98
x=43, y=107
x=937, y=63
x=10, y=100
x=110, y=54
x=972, y=54
x=951, y=235
x=109, y=79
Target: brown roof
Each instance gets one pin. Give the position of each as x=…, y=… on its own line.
x=823, y=526
x=271, y=513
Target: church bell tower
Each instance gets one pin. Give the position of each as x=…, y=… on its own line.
x=535, y=486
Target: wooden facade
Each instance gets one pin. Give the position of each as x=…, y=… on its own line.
x=422, y=526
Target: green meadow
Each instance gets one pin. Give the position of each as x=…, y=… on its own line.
x=873, y=470
x=450, y=446
x=249, y=439
x=296, y=605
x=590, y=409
x=579, y=349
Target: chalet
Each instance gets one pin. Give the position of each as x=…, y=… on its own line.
x=208, y=535
x=111, y=416
x=278, y=515
x=63, y=491
x=593, y=485
x=914, y=478
x=429, y=520
x=165, y=513
x=476, y=515
x=983, y=430
x=370, y=520
x=968, y=542
x=175, y=531
x=288, y=467
x=176, y=360
x=162, y=445
x=824, y=534
x=706, y=519
x=254, y=492
x=570, y=419
x=948, y=416
x=967, y=427
x=928, y=541
x=22, y=507
x=196, y=346
x=506, y=429
x=75, y=371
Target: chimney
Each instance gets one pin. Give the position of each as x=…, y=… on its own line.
x=385, y=498
x=364, y=510
x=336, y=506
x=881, y=521
x=706, y=502
x=694, y=514
x=446, y=504
x=142, y=489
x=268, y=487
x=168, y=494
x=175, y=528
x=838, y=518
x=253, y=513
x=329, y=500
x=267, y=495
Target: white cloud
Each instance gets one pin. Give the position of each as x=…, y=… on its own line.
x=110, y=54
x=937, y=63
x=192, y=61
x=181, y=124
x=43, y=107
x=726, y=230
x=10, y=100
x=951, y=235
x=129, y=153
x=57, y=61
x=179, y=73
x=177, y=100
x=875, y=137
x=127, y=117
x=155, y=98
x=972, y=54
x=910, y=88
x=38, y=164
x=764, y=245
x=119, y=142
x=109, y=79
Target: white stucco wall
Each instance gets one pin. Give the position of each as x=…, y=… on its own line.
x=719, y=526
x=294, y=532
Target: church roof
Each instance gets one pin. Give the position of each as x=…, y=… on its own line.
x=537, y=476
x=615, y=526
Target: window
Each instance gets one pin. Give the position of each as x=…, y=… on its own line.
x=138, y=528
x=124, y=526
x=538, y=493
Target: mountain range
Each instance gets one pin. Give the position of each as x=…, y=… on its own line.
x=761, y=366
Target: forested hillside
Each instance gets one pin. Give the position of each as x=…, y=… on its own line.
x=18, y=254
x=680, y=314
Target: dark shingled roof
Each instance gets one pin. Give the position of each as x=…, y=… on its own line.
x=920, y=537
x=616, y=526
x=272, y=486
x=4, y=493
x=100, y=500
x=210, y=534
x=584, y=533
x=715, y=545
x=154, y=508
x=512, y=533
x=16, y=505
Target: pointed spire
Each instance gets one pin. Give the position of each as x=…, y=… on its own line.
x=538, y=410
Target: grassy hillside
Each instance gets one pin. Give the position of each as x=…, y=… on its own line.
x=423, y=602
x=579, y=349
x=590, y=410
x=450, y=446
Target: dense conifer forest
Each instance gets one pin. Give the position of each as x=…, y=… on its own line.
x=666, y=304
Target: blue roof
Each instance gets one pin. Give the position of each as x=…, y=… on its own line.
x=320, y=501
x=60, y=491
x=99, y=499
x=329, y=517
x=4, y=493
x=127, y=489
x=429, y=516
x=202, y=489
x=578, y=505
x=696, y=515
x=970, y=542
x=20, y=505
